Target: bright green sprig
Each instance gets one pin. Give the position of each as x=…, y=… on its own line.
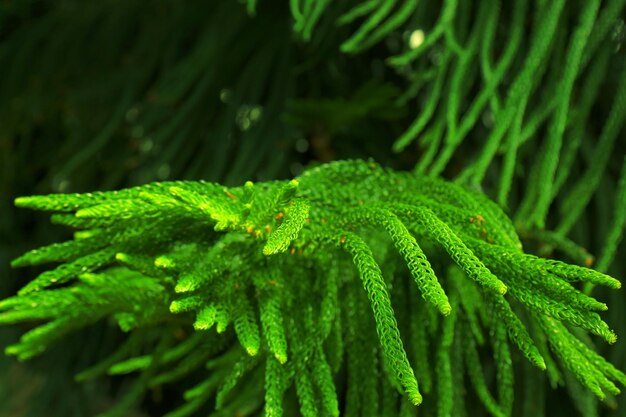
x=246, y=325
x=68, y=271
x=295, y=266
x=437, y=230
x=383, y=314
x=294, y=220
x=272, y=323
x=413, y=255
x=595, y=374
x=139, y=298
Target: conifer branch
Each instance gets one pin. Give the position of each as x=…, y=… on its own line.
x=269, y=258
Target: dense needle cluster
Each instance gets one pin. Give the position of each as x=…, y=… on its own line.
x=347, y=282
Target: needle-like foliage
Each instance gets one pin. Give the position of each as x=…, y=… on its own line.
x=289, y=267
x=352, y=289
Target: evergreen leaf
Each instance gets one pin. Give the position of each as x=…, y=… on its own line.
x=386, y=325
x=201, y=250
x=279, y=240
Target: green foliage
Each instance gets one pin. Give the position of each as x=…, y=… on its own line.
x=271, y=259
x=254, y=299
x=132, y=299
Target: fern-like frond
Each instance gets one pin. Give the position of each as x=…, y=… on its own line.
x=289, y=268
